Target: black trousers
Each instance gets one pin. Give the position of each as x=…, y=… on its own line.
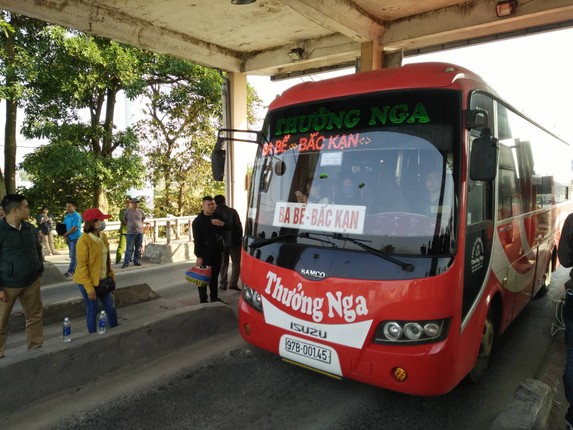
x=213, y=260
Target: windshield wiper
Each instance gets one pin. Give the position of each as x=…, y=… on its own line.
x=308, y=236
x=405, y=266
x=262, y=242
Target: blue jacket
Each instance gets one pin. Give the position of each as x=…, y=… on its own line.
x=20, y=255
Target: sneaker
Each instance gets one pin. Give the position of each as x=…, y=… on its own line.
x=123, y=266
x=137, y=264
x=223, y=287
x=235, y=288
x=68, y=274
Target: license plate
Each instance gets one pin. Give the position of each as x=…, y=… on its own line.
x=307, y=350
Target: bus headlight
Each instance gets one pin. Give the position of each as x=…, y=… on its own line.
x=393, y=331
x=411, y=332
x=252, y=297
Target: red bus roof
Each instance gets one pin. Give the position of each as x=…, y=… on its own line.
x=420, y=75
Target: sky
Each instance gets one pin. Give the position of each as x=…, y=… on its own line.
x=532, y=73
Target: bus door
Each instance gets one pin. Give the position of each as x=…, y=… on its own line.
x=479, y=223
x=517, y=240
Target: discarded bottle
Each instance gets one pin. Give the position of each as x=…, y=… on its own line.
x=102, y=323
x=67, y=330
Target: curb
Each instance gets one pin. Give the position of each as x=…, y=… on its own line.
x=529, y=409
x=56, y=312
x=59, y=367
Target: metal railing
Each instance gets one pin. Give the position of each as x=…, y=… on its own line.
x=160, y=229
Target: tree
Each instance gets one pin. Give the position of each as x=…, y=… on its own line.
x=183, y=110
x=72, y=103
x=18, y=38
x=63, y=170
x=183, y=113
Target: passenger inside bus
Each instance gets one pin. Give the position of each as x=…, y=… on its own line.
x=313, y=194
x=431, y=204
x=389, y=197
x=348, y=193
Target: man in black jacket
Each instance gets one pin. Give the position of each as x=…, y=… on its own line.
x=565, y=254
x=208, y=245
x=233, y=235
x=20, y=270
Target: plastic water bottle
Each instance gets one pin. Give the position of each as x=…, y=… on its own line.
x=67, y=330
x=102, y=323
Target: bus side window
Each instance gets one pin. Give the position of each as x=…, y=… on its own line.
x=509, y=193
x=476, y=202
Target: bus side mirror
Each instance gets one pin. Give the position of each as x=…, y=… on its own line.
x=483, y=157
x=218, y=162
x=476, y=118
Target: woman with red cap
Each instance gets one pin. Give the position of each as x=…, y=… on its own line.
x=94, y=265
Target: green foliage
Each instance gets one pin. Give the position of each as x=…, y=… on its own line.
x=63, y=170
x=72, y=103
x=254, y=106
x=68, y=82
x=182, y=114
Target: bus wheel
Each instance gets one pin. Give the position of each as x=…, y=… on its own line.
x=485, y=349
x=546, y=281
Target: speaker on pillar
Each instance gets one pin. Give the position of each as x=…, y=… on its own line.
x=218, y=164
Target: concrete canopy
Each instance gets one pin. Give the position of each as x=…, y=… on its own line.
x=256, y=38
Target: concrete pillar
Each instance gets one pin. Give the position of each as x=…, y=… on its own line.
x=370, y=56
x=237, y=158
x=393, y=59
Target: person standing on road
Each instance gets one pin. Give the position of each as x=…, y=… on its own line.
x=20, y=270
x=233, y=236
x=133, y=218
x=94, y=264
x=208, y=246
x=122, y=231
x=565, y=254
x=45, y=225
x=73, y=222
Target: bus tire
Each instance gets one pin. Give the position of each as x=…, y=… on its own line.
x=546, y=280
x=485, y=349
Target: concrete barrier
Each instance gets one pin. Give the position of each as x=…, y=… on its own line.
x=172, y=253
x=58, y=366
x=529, y=409
x=56, y=312
x=52, y=274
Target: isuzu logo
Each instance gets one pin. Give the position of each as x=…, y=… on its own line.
x=313, y=273
x=311, y=331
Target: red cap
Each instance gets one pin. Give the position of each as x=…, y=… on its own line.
x=93, y=214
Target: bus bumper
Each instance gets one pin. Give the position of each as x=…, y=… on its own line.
x=416, y=369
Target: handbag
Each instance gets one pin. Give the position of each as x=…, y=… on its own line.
x=61, y=228
x=199, y=275
x=45, y=228
x=105, y=286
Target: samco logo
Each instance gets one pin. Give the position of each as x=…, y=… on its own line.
x=313, y=273
x=334, y=304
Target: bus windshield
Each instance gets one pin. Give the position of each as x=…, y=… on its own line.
x=378, y=170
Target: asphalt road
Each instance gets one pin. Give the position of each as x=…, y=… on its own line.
x=231, y=385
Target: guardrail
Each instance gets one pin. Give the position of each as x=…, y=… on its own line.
x=156, y=229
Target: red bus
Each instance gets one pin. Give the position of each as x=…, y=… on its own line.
x=398, y=221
